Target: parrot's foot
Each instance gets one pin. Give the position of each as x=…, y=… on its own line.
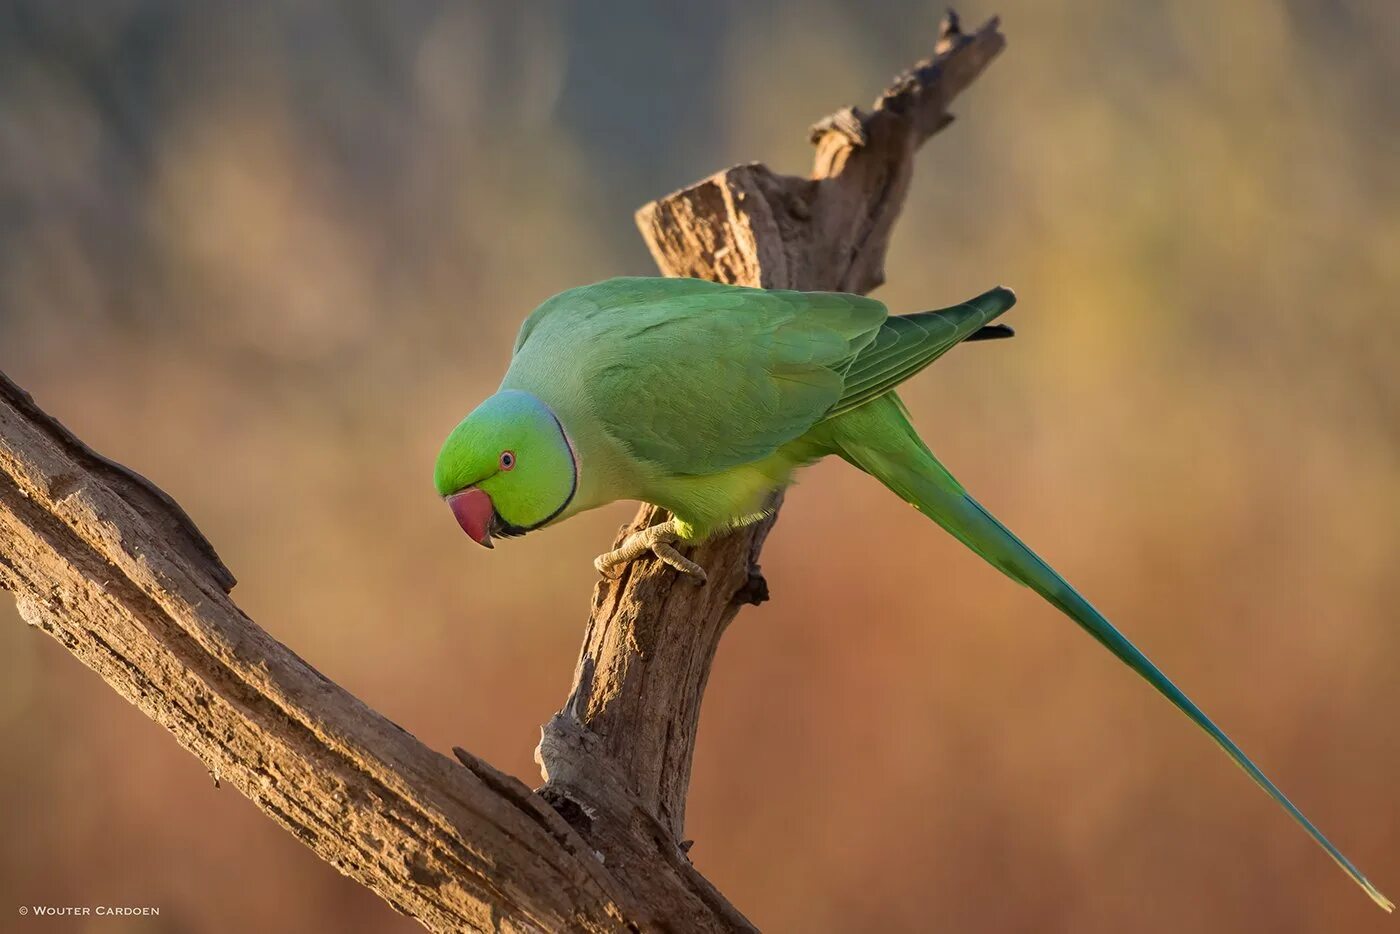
x=659, y=540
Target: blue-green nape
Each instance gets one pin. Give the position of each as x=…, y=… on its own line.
x=512, y=448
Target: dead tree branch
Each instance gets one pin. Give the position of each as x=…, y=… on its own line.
x=110, y=566
x=652, y=636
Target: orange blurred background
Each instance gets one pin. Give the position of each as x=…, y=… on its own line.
x=268, y=254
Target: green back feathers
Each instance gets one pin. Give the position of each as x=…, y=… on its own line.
x=769, y=364
x=694, y=376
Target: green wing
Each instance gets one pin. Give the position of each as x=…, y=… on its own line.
x=907, y=344
x=696, y=377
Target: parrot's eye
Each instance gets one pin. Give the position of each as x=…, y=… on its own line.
x=507, y=460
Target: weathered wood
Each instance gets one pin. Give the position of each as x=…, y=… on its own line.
x=652, y=636
x=101, y=571
x=108, y=565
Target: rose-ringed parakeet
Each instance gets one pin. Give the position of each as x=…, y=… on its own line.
x=704, y=399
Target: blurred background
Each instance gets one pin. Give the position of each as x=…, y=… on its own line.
x=269, y=253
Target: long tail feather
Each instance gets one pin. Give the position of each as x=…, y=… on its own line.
x=878, y=439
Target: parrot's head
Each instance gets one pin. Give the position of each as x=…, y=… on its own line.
x=507, y=468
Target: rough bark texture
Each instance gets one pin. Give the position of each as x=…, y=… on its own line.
x=652, y=635
x=111, y=567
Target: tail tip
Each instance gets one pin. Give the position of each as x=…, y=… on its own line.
x=1375, y=894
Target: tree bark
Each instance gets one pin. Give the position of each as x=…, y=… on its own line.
x=652, y=636
x=108, y=565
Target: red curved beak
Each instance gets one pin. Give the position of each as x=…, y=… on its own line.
x=474, y=512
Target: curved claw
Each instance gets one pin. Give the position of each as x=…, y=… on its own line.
x=612, y=570
x=681, y=563
x=659, y=540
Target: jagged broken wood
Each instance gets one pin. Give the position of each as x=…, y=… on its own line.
x=110, y=566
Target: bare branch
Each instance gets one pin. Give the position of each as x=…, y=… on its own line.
x=112, y=569
x=652, y=635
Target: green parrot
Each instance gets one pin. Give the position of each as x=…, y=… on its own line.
x=704, y=399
